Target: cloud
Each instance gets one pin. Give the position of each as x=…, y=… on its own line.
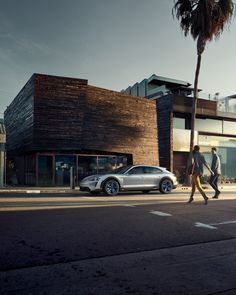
x=28, y=46
x=33, y=47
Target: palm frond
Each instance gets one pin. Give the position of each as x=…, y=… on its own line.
x=204, y=19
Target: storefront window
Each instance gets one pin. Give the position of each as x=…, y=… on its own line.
x=121, y=161
x=55, y=169
x=63, y=164
x=87, y=165
x=106, y=164
x=226, y=149
x=45, y=170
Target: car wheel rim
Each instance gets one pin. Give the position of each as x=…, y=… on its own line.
x=112, y=187
x=166, y=186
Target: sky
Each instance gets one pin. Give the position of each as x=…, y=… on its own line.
x=112, y=43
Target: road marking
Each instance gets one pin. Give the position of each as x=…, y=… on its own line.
x=159, y=213
x=199, y=224
x=212, y=225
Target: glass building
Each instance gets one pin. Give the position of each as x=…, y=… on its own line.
x=215, y=123
x=218, y=132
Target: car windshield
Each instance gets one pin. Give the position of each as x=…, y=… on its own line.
x=121, y=170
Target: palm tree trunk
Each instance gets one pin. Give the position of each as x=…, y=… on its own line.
x=194, y=103
x=193, y=116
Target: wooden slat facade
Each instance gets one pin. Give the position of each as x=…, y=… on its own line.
x=183, y=104
x=59, y=106
x=123, y=123
x=19, y=120
x=59, y=114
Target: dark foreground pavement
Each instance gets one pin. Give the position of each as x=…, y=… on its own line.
x=158, y=248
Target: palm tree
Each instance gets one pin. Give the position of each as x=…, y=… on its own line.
x=204, y=20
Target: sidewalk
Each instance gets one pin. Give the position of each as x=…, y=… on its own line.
x=38, y=190
x=63, y=190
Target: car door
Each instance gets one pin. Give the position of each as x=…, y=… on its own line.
x=133, y=179
x=152, y=177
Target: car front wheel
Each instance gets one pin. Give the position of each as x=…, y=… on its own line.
x=111, y=187
x=166, y=186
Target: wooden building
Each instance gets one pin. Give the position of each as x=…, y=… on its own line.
x=57, y=122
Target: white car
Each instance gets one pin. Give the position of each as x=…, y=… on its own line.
x=135, y=177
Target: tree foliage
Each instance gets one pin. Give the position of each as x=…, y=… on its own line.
x=203, y=19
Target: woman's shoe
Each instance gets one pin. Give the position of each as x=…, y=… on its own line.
x=206, y=198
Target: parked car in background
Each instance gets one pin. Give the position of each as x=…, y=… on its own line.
x=134, y=177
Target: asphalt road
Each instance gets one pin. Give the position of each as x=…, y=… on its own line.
x=131, y=244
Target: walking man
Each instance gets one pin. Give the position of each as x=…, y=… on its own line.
x=198, y=161
x=216, y=168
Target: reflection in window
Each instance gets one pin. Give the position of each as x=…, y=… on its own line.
x=121, y=161
x=87, y=165
x=229, y=127
x=209, y=125
x=63, y=164
x=106, y=164
x=226, y=149
x=152, y=170
x=136, y=170
x=179, y=123
x=45, y=170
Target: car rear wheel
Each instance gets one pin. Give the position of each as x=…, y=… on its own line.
x=111, y=187
x=166, y=186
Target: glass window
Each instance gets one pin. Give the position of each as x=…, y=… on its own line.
x=229, y=127
x=217, y=141
x=181, y=140
x=63, y=164
x=87, y=165
x=209, y=125
x=121, y=161
x=152, y=170
x=45, y=170
x=226, y=149
x=122, y=170
x=179, y=123
x=106, y=164
x=136, y=170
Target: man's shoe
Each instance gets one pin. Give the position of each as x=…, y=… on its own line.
x=216, y=195
x=206, y=198
x=190, y=200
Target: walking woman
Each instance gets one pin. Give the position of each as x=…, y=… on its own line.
x=196, y=171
